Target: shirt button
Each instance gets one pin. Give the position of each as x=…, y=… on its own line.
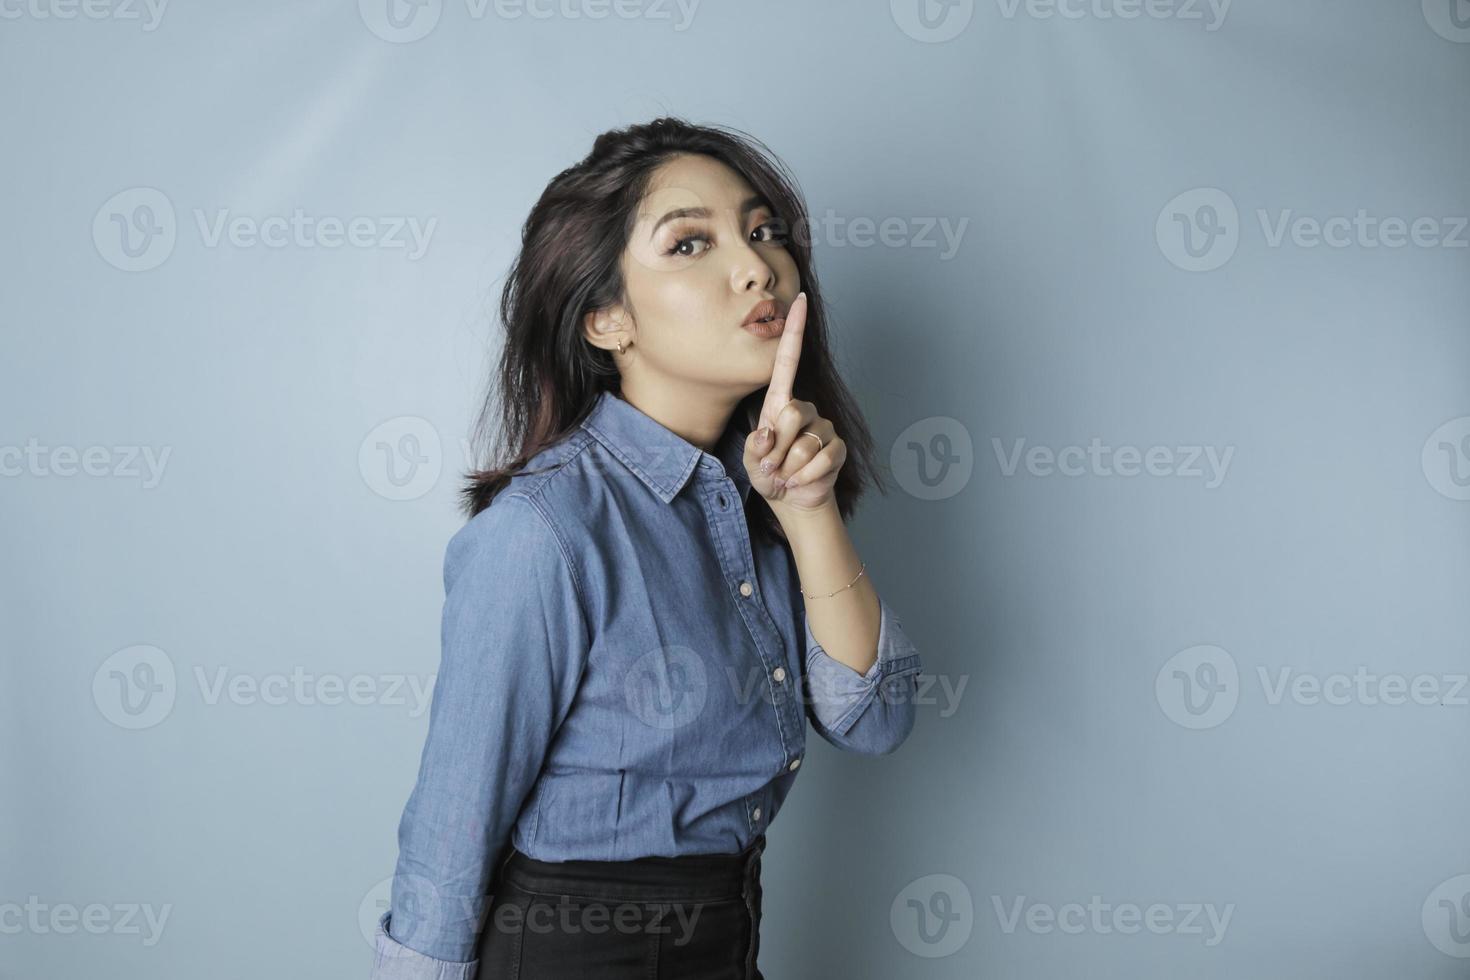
x=779, y=673
x=745, y=588
x=756, y=813
x=794, y=764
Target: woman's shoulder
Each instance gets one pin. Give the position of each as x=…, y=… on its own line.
x=513, y=539
x=535, y=481
x=543, y=497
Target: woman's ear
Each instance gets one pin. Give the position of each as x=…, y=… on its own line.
x=602, y=328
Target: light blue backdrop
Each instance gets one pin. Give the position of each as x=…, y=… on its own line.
x=1159, y=313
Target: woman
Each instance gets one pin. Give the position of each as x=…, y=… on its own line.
x=633, y=641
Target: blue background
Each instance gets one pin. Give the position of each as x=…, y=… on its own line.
x=1104, y=715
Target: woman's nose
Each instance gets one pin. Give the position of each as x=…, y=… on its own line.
x=750, y=270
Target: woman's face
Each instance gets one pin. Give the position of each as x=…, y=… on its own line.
x=703, y=252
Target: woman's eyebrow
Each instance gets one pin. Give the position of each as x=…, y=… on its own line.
x=748, y=205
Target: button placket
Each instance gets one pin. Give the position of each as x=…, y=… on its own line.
x=792, y=724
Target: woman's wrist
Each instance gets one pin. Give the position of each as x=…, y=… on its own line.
x=821, y=546
x=802, y=521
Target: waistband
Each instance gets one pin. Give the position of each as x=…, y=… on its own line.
x=687, y=877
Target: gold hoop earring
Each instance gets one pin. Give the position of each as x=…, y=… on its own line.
x=620, y=345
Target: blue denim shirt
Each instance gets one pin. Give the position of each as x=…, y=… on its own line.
x=625, y=671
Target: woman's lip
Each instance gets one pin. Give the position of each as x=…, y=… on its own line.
x=769, y=329
x=765, y=308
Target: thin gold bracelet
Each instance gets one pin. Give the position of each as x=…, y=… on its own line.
x=847, y=586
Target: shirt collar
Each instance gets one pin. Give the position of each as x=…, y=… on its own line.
x=660, y=457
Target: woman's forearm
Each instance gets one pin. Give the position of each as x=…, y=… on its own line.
x=846, y=624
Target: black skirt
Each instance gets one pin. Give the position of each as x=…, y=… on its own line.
x=693, y=917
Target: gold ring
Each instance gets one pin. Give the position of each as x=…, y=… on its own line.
x=820, y=443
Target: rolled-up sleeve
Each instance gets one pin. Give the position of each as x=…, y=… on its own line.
x=870, y=713
x=514, y=645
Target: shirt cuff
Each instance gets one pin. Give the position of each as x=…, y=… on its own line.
x=394, y=961
x=839, y=694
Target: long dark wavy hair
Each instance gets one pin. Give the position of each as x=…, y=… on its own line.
x=549, y=376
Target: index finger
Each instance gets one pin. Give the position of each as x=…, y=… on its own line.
x=788, y=355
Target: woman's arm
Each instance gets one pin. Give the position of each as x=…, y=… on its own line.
x=514, y=646
x=859, y=661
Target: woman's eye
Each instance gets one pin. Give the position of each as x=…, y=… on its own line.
x=774, y=232
x=680, y=243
